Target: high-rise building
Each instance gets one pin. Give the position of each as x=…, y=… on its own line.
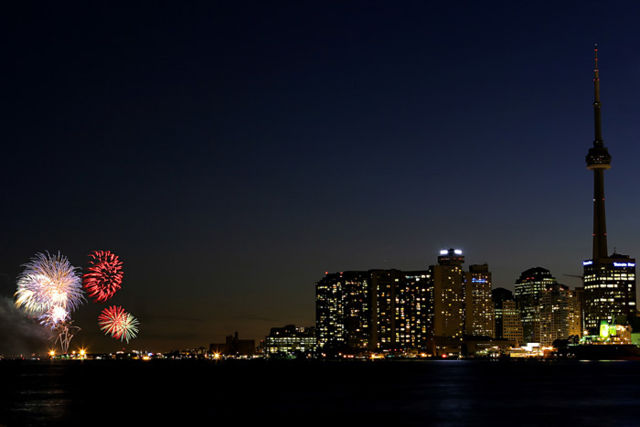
x=396, y=311
x=498, y=297
x=554, y=314
x=609, y=281
x=414, y=321
x=576, y=300
x=448, y=302
x=479, y=321
x=528, y=291
x=375, y=310
x=511, y=323
x=343, y=310
x=384, y=288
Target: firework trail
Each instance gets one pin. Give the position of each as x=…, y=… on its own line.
x=49, y=287
x=118, y=323
x=105, y=275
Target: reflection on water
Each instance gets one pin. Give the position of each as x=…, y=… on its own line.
x=399, y=393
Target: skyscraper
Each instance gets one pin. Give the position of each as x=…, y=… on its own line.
x=448, y=302
x=529, y=289
x=508, y=324
x=478, y=317
x=554, y=313
x=609, y=281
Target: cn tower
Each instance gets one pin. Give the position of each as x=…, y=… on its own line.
x=609, y=280
x=598, y=159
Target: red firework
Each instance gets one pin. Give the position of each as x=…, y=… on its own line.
x=118, y=323
x=104, y=275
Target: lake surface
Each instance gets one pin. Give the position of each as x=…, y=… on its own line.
x=447, y=393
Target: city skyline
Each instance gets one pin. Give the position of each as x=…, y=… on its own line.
x=230, y=165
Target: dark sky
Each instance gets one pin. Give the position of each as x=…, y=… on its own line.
x=231, y=152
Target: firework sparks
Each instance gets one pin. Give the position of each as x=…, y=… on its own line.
x=49, y=287
x=105, y=275
x=53, y=316
x=118, y=323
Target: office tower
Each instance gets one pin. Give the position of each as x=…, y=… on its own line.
x=554, y=314
x=479, y=321
x=448, y=302
x=508, y=325
x=528, y=291
x=609, y=281
x=576, y=300
x=511, y=323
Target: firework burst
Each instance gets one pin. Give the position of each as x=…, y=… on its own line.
x=104, y=275
x=118, y=323
x=48, y=287
x=54, y=316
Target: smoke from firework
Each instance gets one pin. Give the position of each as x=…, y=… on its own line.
x=19, y=333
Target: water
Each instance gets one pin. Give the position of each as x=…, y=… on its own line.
x=447, y=393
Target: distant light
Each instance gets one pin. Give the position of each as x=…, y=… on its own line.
x=52, y=353
x=458, y=252
x=326, y=272
x=444, y=252
x=587, y=262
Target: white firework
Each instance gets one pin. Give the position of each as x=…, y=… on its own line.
x=49, y=288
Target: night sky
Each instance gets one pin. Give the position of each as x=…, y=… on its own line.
x=232, y=152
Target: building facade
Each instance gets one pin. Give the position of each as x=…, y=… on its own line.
x=508, y=324
x=290, y=341
x=479, y=310
x=554, y=314
x=374, y=310
x=609, y=291
x=448, y=302
x=528, y=292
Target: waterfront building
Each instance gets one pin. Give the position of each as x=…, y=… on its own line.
x=511, y=323
x=609, y=280
x=385, y=286
x=414, y=319
x=400, y=312
x=374, y=310
x=576, y=300
x=508, y=324
x=343, y=311
x=528, y=292
x=479, y=314
x=448, y=302
x=554, y=314
x=290, y=341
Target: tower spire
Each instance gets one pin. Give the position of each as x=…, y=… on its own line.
x=596, y=99
x=598, y=159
